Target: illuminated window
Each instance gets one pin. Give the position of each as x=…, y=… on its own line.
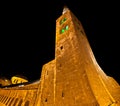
x=64, y=29
x=61, y=47
x=15, y=80
x=62, y=21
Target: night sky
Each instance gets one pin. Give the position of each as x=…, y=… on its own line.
x=27, y=35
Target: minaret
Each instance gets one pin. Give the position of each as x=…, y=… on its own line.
x=79, y=80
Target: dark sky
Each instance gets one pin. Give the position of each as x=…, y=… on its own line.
x=27, y=35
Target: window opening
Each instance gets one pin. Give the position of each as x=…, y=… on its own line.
x=62, y=94
x=15, y=80
x=61, y=47
x=46, y=100
x=62, y=21
x=64, y=29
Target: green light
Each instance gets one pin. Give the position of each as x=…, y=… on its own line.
x=62, y=31
x=66, y=28
x=63, y=20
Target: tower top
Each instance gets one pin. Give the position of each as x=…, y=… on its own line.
x=65, y=9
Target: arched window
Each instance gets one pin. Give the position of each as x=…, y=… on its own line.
x=63, y=20
x=64, y=29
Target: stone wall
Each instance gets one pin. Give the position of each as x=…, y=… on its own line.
x=19, y=96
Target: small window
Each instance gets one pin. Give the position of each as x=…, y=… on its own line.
x=62, y=21
x=61, y=47
x=62, y=94
x=46, y=100
x=15, y=80
x=64, y=29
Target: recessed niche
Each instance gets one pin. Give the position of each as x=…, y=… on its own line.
x=62, y=94
x=61, y=47
x=60, y=65
x=46, y=100
x=63, y=20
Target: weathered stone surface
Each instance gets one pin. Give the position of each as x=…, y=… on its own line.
x=73, y=78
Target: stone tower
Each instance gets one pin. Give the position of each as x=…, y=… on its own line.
x=74, y=77
x=79, y=80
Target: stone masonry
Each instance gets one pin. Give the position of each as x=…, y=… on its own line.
x=73, y=78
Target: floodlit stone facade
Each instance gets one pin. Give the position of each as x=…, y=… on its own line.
x=5, y=82
x=73, y=78
x=18, y=79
